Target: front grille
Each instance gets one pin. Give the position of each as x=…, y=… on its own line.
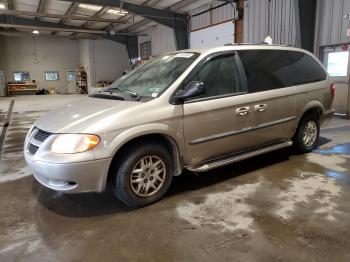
x=39, y=136
x=32, y=149
x=42, y=135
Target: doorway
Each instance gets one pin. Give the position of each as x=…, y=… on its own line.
x=71, y=82
x=336, y=60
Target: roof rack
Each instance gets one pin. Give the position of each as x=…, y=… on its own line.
x=262, y=43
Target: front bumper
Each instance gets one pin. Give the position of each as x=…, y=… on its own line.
x=69, y=173
x=88, y=176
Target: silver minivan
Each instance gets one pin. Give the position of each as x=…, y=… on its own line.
x=193, y=109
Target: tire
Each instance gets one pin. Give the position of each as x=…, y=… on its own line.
x=140, y=157
x=309, y=123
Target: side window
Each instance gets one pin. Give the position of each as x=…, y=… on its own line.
x=304, y=68
x=221, y=76
x=273, y=69
x=262, y=69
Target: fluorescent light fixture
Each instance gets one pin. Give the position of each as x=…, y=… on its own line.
x=2, y=6
x=35, y=32
x=90, y=7
x=116, y=12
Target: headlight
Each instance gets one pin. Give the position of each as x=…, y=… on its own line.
x=74, y=143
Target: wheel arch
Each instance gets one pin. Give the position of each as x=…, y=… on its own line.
x=312, y=107
x=176, y=149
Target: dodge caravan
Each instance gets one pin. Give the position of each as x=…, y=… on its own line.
x=192, y=109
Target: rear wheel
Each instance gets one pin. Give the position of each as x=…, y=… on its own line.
x=143, y=175
x=308, y=131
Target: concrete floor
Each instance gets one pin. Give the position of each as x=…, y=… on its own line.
x=275, y=207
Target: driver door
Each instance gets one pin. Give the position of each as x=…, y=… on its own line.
x=217, y=123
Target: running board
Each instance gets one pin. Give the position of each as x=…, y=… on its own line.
x=232, y=159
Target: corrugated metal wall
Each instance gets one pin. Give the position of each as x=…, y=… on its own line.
x=215, y=16
x=162, y=39
x=275, y=18
x=333, y=26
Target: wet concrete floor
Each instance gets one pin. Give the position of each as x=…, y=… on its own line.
x=276, y=207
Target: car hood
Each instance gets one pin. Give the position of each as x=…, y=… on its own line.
x=79, y=116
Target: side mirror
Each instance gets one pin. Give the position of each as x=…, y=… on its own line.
x=192, y=89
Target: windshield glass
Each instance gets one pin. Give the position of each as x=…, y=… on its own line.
x=150, y=79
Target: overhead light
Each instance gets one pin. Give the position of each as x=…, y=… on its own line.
x=116, y=12
x=90, y=7
x=2, y=6
x=35, y=32
x=112, y=32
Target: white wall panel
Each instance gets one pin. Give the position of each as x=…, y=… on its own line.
x=162, y=39
x=213, y=36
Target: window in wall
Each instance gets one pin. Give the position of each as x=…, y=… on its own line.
x=273, y=69
x=221, y=76
x=52, y=76
x=21, y=76
x=337, y=64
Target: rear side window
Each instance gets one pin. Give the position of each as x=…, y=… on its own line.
x=273, y=69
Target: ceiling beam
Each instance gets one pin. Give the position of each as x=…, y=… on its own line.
x=10, y=5
x=165, y=17
x=25, y=23
x=97, y=15
x=181, y=4
x=71, y=9
x=63, y=17
x=41, y=6
x=174, y=7
x=129, y=40
x=80, y=36
x=131, y=16
x=45, y=28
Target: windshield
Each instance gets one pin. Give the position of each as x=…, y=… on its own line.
x=154, y=77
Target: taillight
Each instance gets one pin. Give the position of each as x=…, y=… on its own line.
x=332, y=89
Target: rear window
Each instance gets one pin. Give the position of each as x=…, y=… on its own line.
x=273, y=69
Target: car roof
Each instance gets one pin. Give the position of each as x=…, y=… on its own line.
x=242, y=46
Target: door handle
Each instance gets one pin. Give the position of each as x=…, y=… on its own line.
x=260, y=107
x=242, y=111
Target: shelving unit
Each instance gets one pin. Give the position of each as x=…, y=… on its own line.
x=81, y=80
x=13, y=88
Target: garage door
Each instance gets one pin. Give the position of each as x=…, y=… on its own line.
x=212, y=36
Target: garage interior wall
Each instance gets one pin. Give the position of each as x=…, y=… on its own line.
x=213, y=17
x=276, y=19
x=103, y=60
x=52, y=55
x=333, y=26
x=212, y=25
x=162, y=39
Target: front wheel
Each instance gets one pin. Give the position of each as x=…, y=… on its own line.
x=307, y=133
x=143, y=175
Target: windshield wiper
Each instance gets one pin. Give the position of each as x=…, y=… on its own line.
x=131, y=93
